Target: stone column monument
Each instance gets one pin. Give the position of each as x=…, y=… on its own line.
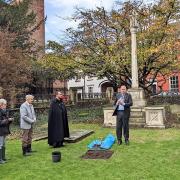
x=141, y=116
x=139, y=102
x=136, y=92
x=137, y=118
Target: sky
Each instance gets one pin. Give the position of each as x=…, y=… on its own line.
x=56, y=10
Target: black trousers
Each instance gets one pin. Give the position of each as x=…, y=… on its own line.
x=122, y=123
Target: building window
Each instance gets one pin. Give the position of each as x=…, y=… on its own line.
x=154, y=89
x=90, y=89
x=174, y=83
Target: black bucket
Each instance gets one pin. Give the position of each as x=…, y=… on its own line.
x=56, y=156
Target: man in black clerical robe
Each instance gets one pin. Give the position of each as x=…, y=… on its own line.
x=58, y=127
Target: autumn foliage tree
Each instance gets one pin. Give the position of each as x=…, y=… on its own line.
x=101, y=44
x=15, y=67
x=58, y=62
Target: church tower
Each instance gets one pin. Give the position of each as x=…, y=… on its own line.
x=40, y=86
x=39, y=35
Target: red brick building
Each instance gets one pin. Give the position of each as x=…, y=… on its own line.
x=170, y=83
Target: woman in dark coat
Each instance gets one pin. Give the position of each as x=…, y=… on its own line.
x=4, y=128
x=58, y=127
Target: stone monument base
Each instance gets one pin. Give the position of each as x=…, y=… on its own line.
x=137, y=118
x=148, y=117
x=137, y=97
x=155, y=117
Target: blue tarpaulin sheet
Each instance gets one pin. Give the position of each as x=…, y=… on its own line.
x=107, y=143
x=94, y=144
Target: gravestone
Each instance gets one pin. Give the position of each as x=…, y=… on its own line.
x=75, y=136
x=78, y=135
x=109, y=120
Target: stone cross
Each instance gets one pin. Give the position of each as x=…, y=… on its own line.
x=134, y=67
x=133, y=20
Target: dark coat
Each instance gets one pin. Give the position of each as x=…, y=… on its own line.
x=128, y=102
x=4, y=122
x=58, y=127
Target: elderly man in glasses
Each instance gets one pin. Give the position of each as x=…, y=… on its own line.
x=27, y=119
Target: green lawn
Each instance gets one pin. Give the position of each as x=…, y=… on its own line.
x=152, y=154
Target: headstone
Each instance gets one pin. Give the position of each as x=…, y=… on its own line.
x=109, y=120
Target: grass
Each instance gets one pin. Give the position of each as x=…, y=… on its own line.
x=152, y=154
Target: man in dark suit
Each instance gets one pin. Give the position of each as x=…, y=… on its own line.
x=123, y=102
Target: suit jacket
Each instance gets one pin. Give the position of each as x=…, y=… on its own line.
x=128, y=102
x=27, y=116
